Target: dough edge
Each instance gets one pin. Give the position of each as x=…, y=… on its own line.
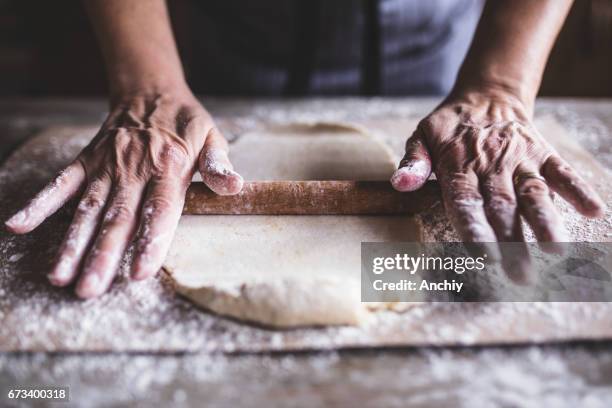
x=287, y=302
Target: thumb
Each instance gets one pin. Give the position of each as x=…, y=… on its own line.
x=415, y=167
x=214, y=165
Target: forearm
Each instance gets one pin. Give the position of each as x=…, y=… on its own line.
x=137, y=45
x=511, y=46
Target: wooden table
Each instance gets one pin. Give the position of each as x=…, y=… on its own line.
x=551, y=375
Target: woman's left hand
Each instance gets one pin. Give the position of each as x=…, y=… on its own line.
x=493, y=166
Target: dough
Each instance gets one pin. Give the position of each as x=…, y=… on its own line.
x=321, y=151
x=286, y=271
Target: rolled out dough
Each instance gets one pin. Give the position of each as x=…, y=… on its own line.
x=286, y=271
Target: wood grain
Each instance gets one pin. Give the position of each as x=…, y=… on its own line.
x=330, y=197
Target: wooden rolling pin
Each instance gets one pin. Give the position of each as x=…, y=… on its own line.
x=311, y=198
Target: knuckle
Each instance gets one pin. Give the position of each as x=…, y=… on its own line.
x=501, y=204
x=158, y=204
x=414, y=144
x=174, y=153
x=90, y=203
x=427, y=125
x=498, y=193
x=503, y=198
x=119, y=212
x=172, y=160
x=563, y=167
x=496, y=143
x=466, y=198
x=131, y=155
x=567, y=170
x=441, y=120
x=189, y=121
x=454, y=179
x=532, y=188
x=460, y=191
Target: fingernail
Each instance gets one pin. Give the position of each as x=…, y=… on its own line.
x=61, y=274
x=56, y=280
x=16, y=220
x=597, y=208
x=227, y=183
x=89, y=287
x=234, y=183
x=140, y=268
x=410, y=177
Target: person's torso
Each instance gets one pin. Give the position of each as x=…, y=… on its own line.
x=272, y=47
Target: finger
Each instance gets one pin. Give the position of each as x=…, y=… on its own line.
x=504, y=217
x=464, y=206
x=80, y=233
x=565, y=181
x=538, y=209
x=159, y=218
x=114, y=235
x=216, y=170
x=501, y=207
x=55, y=194
x=415, y=168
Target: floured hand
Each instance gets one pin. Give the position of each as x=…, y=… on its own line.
x=132, y=179
x=493, y=166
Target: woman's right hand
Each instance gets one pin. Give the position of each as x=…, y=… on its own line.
x=132, y=178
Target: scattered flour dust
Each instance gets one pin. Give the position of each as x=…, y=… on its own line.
x=147, y=316
x=568, y=376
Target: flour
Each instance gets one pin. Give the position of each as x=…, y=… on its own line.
x=529, y=377
x=218, y=175
x=147, y=316
x=148, y=242
x=15, y=257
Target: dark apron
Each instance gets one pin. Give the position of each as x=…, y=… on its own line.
x=331, y=47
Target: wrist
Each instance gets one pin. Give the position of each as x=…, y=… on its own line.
x=145, y=77
x=503, y=90
x=126, y=87
x=152, y=89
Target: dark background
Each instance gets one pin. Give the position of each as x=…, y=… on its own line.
x=48, y=49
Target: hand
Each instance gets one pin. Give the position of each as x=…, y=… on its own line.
x=133, y=177
x=493, y=166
